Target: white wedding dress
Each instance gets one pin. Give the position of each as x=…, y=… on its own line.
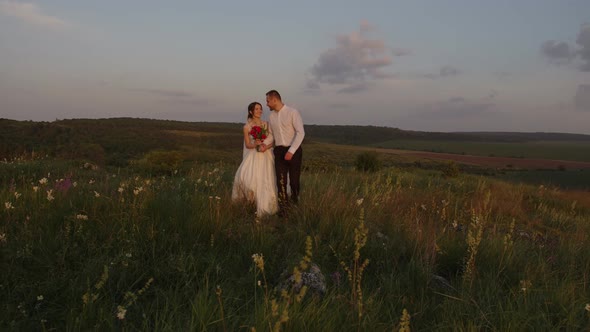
x=255, y=179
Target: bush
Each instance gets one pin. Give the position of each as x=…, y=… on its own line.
x=367, y=162
x=161, y=161
x=451, y=170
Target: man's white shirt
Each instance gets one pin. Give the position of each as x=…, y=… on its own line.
x=287, y=128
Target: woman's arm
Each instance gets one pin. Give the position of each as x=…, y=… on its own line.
x=248, y=142
x=268, y=142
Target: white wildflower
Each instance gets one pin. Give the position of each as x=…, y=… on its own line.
x=81, y=217
x=96, y=194
x=40, y=298
x=17, y=195
x=50, y=195
x=8, y=205
x=43, y=181
x=121, y=311
x=35, y=188
x=360, y=201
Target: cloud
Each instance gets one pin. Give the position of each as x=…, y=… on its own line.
x=582, y=98
x=354, y=88
x=401, y=52
x=493, y=94
x=354, y=61
x=583, y=41
x=557, y=52
x=444, y=71
x=560, y=52
x=30, y=13
x=449, y=71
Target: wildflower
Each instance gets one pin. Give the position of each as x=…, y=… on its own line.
x=96, y=194
x=2, y=238
x=43, y=181
x=91, y=181
x=404, y=322
x=259, y=261
x=359, y=201
x=17, y=195
x=147, y=182
x=587, y=307
x=120, y=190
x=525, y=285
x=75, y=184
x=81, y=217
x=40, y=298
x=50, y=195
x=8, y=205
x=259, y=283
x=217, y=198
x=121, y=311
x=128, y=255
x=63, y=185
x=35, y=188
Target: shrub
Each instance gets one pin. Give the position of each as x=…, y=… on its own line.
x=161, y=161
x=451, y=170
x=367, y=162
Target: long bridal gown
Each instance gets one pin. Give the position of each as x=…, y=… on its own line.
x=255, y=179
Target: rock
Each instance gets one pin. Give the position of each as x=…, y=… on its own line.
x=314, y=279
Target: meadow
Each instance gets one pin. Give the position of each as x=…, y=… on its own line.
x=128, y=225
x=92, y=248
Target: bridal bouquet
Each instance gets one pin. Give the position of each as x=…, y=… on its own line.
x=258, y=133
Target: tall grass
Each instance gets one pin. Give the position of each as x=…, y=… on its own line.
x=108, y=249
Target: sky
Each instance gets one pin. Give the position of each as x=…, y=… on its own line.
x=428, y=65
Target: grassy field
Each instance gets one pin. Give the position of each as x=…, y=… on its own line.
x=127, y=224
x=557, y=150
x=110, y=248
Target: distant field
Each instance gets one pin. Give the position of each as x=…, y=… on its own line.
x=577, y=180
x=556, y=150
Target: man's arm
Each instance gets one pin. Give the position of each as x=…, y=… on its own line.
x=299, y=132
x=269, y=137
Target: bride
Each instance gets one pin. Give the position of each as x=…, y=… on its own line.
x=255, y=179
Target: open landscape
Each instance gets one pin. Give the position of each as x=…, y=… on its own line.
x=128, y=224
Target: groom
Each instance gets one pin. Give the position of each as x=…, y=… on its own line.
x=287, y=129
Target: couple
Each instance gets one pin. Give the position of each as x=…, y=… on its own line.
x=271, y=164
